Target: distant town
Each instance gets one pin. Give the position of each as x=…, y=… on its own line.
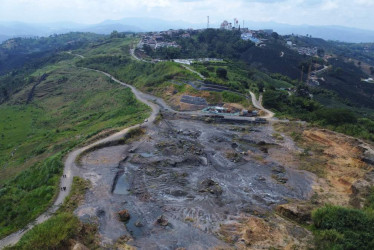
x=157, y=40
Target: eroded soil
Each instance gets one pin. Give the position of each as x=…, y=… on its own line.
x=344, y=164
x=196, y=185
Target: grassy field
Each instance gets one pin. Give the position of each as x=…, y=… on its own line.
x=70, y=106
x=158, y=79
x=61, y=230
x=113, y=47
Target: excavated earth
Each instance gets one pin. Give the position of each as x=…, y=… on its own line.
x=195, y=185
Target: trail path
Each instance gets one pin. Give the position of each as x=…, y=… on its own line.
x=258, y=104
x=155, y=103
x=193, y=71
x=70, y=165
x=132, y=53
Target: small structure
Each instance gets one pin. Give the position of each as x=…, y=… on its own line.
x=267, y=31
x=220, y=111
x=248, y=113
x=249, y=37
x=226, y=25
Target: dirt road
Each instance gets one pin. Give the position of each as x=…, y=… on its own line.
x=258, y=104
x=70, y=165
x=193, y=71
x=70, y=160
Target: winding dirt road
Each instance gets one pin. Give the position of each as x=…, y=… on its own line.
x=69, y=165
x=258, y=104
x=193, y=71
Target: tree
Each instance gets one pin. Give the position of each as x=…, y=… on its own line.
x=221, y=73
x=260, y=86
x=204, y=73
x=4, y=93
x=320, y=52
x=275, y=35
x=147, y=49
x=337, y=116
x=114, y=34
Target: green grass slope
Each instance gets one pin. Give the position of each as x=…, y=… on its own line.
x=70, y=106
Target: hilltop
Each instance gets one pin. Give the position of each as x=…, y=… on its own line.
x=210, y=167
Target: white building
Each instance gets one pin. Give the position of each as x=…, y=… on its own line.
x=226, y=25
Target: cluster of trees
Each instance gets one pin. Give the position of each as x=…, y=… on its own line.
x=344, y=228
x=116, y=34
x=345, y=80
x=304, y=108
x=17, y=52
x=208, y=43
x=14, y=80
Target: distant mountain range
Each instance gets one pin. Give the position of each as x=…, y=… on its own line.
x=19, y=29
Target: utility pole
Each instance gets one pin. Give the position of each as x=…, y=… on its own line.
x=207, y=26
x=302, y=73
x=309, y=71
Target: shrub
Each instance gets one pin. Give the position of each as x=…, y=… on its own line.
x=343, y=228
x=52, y=234
x=231, y=97
x=336, y=116
x=221, y=73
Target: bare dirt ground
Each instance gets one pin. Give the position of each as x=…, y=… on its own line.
x=196, y=185
x=344, y=165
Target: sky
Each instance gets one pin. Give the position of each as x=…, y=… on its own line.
x=350, y=13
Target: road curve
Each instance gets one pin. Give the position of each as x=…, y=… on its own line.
x=193, y=71
x=258, y=104
x=69, y=164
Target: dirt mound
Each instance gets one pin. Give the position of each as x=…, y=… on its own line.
x=297, y=212
x=234, y=107
x=124, y=215
x=258, y=233
x=344, y=162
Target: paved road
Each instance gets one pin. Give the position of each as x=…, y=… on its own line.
x=258, y=104
x=70, y=164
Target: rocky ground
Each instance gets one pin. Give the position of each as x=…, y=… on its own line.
x=199, y=185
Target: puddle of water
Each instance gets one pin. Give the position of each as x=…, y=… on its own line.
x=132, y=226
x=122, y=186
x=146, y=155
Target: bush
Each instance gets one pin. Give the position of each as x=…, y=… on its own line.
x=336, y=116
x=231, y=97
x=204, y=73
x=52, y=234
x=343, y=228
x=25, y=197
x=274, y=99
x=221, y=73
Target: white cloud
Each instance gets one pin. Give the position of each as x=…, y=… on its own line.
x=356, y=13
